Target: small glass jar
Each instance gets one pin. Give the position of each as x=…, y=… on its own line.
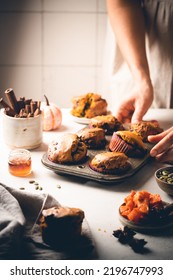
x=19, y=162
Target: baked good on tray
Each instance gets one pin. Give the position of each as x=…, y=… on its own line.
x=68, y=149
x=146, y=128
x=94, y=138
x=110, y=163
x=128, y=143
x=61, y=226
x=109, y=123
x=89, y=105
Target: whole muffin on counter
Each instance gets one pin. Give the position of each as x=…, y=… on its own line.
x=89, y=105
x=109, y=123
x=94, y=138
x=128, y=143
x=68, y=149
x=146, y=128
x=110, y=163
x=61, y=226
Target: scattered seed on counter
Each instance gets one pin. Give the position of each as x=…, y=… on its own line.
x=22, y=188
x=37, y=187
x=58, y=186
x=36, y=184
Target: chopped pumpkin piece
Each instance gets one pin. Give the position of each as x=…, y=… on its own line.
x=138, y=205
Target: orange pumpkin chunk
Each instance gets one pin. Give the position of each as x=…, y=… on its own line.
x=137, y=205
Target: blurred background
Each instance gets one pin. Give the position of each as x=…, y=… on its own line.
x=52, y=47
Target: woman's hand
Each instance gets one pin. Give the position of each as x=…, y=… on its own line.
x=163, y=150
x=134, y=107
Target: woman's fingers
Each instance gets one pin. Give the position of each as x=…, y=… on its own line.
x=163, y=145
x=158, y=137
x=166, y=157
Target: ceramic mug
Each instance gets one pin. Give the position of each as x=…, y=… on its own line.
x=23, y=133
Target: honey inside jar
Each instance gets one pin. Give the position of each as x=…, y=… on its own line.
x=19, y=162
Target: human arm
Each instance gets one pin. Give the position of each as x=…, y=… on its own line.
x=163, y=150
x=127, y=20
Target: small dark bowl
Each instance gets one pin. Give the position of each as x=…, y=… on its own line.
x=162, y=180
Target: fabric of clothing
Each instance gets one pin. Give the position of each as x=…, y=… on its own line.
x=117, y=78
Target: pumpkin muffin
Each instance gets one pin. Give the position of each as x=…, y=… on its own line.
x=128, y=143
x=94, y=138
x=61, y=226
x=89, y=105
x=109, y=123
x=146, y=128
x=110, y=163
x=69, y=149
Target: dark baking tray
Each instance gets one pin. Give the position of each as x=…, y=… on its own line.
x=83, y=170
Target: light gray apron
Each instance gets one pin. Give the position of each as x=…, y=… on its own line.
x=117, y=82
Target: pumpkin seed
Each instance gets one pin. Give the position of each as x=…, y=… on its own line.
x=165, y=176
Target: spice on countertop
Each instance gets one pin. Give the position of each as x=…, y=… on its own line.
x=126, y=236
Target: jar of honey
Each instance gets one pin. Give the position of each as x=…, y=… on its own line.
x=19, y=162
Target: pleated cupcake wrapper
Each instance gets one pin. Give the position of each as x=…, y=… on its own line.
x=119, y=145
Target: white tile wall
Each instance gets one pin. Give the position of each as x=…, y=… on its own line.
x=21, y=5
x=70, y=5
x=52, y=47
x=69, y=39
x=25, y=80
x=62, y=83
x=20, y=35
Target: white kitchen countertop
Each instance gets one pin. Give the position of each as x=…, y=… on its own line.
x=100, y=202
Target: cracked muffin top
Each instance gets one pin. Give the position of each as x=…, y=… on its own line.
x=68, y=149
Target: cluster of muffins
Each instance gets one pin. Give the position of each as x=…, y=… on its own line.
x=61, y=227
x=122, y=144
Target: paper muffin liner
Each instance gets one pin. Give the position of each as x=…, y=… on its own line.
x=119, y=145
